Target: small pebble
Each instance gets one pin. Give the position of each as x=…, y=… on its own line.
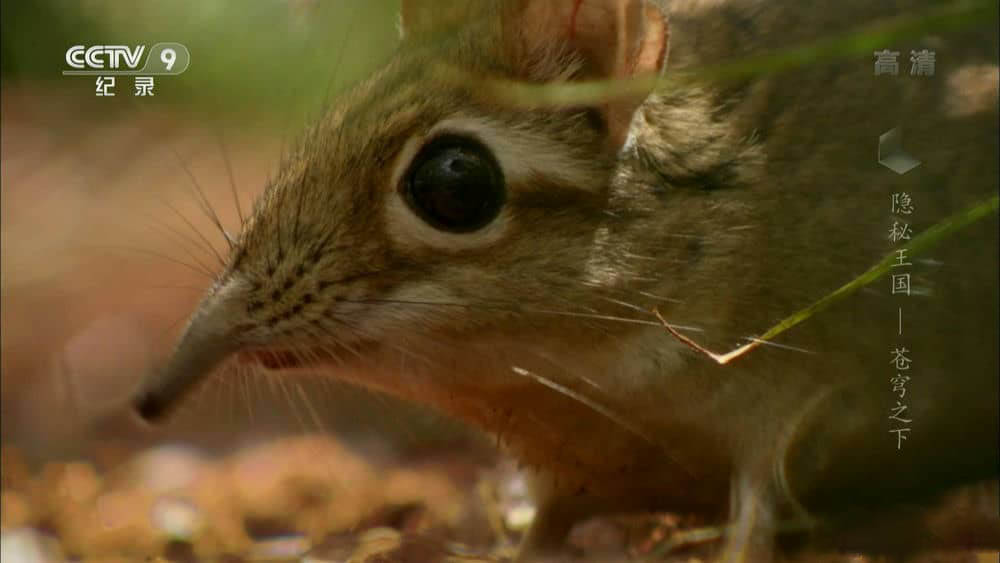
x=166, y=469
x=519, y=517
x=25, y=545
x=177, y=518
x=279, y=547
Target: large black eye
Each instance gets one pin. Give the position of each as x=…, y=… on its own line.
x=455, y=184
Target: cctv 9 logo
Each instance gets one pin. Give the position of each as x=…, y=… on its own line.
x=163, y=58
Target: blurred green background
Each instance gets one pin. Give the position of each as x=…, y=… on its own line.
x=272, y=62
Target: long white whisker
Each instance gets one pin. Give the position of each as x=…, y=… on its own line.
x=515, y=309
x=597, y=407
x=776, y=345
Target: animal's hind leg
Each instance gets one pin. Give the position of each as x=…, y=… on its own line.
x=751, y=530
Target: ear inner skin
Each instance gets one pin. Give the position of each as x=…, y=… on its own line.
x=613, y=39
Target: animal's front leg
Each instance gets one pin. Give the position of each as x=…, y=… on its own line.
x=556, y=513
x=547, y=534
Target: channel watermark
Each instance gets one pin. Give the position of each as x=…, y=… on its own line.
x=108, y=62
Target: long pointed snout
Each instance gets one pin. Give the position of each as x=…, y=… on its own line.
x=207, y=341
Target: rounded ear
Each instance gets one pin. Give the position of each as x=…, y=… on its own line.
x=612, y=38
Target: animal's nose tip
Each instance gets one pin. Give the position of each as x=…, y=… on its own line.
x=162, y=390
x=150, y=408
x=206, y=342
